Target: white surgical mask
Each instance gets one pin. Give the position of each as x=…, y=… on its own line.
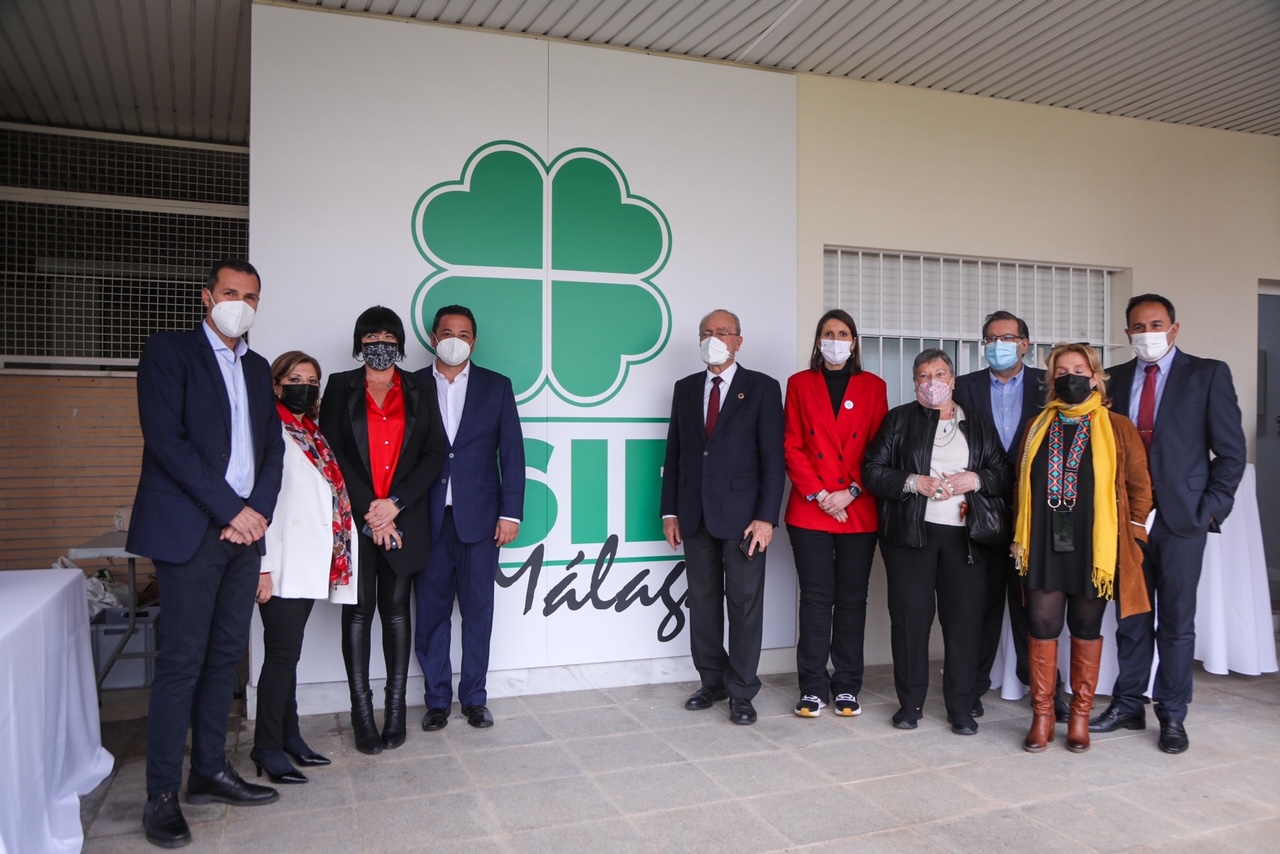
x=453, y=351
x=714, y=351
x=233, y=317
x=1002, y=355
x=1150, y=346
x=836, y=352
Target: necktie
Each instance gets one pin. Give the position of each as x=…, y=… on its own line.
x=1147, y=406
x=713, y=405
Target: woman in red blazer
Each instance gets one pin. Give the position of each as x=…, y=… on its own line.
x=833, y=410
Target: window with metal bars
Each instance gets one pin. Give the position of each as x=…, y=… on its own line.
x=904, y=303
x=88, y=273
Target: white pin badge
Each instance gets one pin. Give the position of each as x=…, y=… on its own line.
x=742, y=395
x=848, y=404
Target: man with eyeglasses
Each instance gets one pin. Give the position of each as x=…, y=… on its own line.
x=1008, y=393
x=721, y=495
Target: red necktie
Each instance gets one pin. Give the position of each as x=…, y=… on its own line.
x=713, y=405
x=1147, y=406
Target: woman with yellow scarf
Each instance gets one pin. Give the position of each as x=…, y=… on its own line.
x=1082, y=496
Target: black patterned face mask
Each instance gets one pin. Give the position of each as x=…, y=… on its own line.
x=381, y=355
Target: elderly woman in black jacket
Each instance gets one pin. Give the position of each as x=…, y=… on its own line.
x=934, y=470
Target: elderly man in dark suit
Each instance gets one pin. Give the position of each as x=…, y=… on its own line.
x=1008, y=394
x=1187, y=415
x=212, y=459
x=721, y=494
x=476, y=504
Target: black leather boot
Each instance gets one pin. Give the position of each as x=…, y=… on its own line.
x=355, y=653
x=396, y=646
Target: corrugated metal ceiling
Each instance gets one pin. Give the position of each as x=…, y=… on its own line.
x=180, y=68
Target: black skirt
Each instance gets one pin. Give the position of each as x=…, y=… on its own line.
x=1056, y=571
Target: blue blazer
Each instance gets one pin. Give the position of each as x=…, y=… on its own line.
x=1198, y=415
x=185, y=415
x=973, y=393
x=485, y=459
x=738, y=474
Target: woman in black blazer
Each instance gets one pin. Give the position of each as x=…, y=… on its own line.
x=385, y=430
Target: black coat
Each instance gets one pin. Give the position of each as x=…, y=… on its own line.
x=904, y=446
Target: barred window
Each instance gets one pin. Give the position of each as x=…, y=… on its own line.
x=904, y=303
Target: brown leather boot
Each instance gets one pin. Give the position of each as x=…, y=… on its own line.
x=1086, y=658
x=1043, y=666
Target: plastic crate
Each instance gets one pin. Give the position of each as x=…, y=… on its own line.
x=107, y=628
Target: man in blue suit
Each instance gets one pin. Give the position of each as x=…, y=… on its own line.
x=1188, y=418
x=211, y=464
x=721, y=493
x=1008, y=394
x=476, y=505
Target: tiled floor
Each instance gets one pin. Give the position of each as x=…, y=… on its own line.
x=629, y=769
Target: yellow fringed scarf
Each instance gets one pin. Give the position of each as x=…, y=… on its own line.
x=1106, y=525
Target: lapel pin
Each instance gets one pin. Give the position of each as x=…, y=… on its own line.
x=848, y=404
x=742, y=395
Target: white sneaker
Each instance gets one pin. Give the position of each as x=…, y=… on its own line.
x=809, y=706
x=847, y=705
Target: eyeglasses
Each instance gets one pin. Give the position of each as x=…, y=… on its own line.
x=1008, y=339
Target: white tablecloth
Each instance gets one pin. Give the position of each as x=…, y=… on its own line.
x=50, y=742
x=1233, y=608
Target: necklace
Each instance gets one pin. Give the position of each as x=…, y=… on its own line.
x=947, y=429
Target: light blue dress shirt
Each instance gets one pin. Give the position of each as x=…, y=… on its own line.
x=1006, y=406
x=1140, y=378
x=240, y=468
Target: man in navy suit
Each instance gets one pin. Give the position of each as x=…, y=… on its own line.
x=721, y=492
x=212, y=459
x=476, y=504
x=1008, y=394
x=1187, y=415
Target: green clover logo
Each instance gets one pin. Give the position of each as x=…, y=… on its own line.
x=557, y=261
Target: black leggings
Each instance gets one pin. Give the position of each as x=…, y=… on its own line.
x=1083, y=615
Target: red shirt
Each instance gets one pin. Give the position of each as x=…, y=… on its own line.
x=386, y=436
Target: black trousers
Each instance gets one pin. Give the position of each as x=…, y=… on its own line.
x=833, y=571
x=377, y=587
x=1004, y=585
x=1173, y=574
x=721, y=579
x=207, y=604
x=918, y=577
x=283, y=623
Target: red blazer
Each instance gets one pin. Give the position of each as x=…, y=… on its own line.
x=825, y=452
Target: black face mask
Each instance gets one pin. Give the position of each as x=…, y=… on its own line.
x=300, y=397
x=1073, y=388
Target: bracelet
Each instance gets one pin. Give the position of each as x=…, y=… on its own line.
x=910, y=485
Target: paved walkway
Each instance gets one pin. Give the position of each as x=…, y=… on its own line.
x=629, y=769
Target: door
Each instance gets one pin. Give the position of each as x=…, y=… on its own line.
x=1269, y=431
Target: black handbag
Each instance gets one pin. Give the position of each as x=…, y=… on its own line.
x=989, y=520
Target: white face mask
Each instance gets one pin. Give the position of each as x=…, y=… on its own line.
x=233, y=317
x=1150, y=346
x=714, y=351
x=836, y=352
x=452, y=351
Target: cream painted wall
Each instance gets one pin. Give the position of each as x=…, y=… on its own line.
x=1193, y=214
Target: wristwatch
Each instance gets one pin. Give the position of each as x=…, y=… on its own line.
x=397, y=502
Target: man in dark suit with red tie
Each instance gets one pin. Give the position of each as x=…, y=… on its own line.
x=212, y=459
x=1187, y=415
x=721, y=494
x=1008, y=394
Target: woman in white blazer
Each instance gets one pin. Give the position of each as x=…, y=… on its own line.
x=310, y=554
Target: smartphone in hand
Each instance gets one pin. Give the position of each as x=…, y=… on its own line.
x=745, y=545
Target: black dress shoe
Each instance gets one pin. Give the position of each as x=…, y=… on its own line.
x=1173, y=737
x=1061, y=708
x=705, y=697
x=226, y=787
x=435, y=719
x=977, y=711
x=276, y=765
x=963, y=725
x=742, y=712
x=1113, y=719
x=302, y=754
x=162, y=819
x=478, y=716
